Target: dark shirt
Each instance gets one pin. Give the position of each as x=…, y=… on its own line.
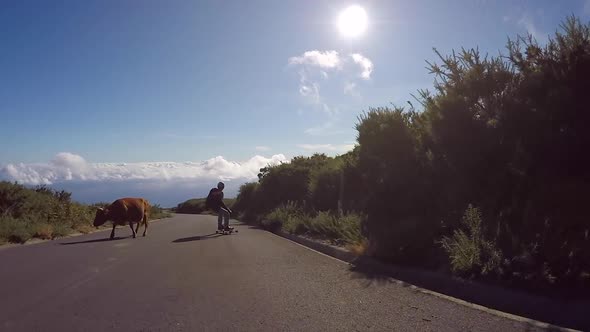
x=215, y=199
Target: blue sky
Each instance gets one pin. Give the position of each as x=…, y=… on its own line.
x=175, y=81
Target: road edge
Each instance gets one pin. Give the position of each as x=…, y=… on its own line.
x=34, y=241
x=519, y=300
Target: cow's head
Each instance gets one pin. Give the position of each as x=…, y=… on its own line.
x=101, y=217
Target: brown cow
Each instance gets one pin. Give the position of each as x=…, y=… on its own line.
x=122, y=211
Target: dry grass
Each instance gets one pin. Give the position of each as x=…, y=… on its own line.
x=43, y=231
x=61, y=230
x=84, y=228
x=359, y=248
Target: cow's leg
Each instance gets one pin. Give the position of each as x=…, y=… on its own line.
x=145, y=224
x=131, y=226
x=137, y=227
x=113, y=231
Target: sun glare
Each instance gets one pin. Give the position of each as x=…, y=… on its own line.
x=352, y=21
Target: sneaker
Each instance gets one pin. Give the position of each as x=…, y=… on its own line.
x=228, y=229
x=219, y=228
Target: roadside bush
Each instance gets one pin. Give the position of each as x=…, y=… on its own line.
x=61, y=230
x=341, y=230
x=192, y=206
x=247, y=200
x=83, y=228
x=278, y=218
x=470, y=253
x=157, y=212
x=14, y=230
x=39, y=212
x=400, y=212
x=43, y=231
x=324, y=186
x=291, y=219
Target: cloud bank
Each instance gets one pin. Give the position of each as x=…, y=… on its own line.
x=71, y=167
x=167, y=182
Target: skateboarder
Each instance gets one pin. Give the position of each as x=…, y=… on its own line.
x=215, y=202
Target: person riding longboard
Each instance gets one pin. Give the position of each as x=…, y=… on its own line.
x=215, y=202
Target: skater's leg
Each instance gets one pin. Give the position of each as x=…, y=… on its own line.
x=219, y=219
x=223, y=213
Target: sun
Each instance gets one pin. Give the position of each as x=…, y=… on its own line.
x=352, y=21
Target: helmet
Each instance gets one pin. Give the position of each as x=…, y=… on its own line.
x=220, y=185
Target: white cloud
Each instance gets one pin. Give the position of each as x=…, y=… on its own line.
x=527, y=22
x=318, y=88
x=329, y=110
x=310, y=91
x=326, y=59
x=262, y=148
x=67, y=167
x=326, y=147
x=350, y=89
x=365, y=63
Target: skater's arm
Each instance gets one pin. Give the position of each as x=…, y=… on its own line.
x=222, y=203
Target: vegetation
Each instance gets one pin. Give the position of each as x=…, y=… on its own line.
x=469, y=251
x=45, y=213
x=41, y=213
x=343, y=230
x=312, y=207
x=158, y=212
x=489, y=177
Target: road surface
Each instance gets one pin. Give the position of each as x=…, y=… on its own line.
x=183, y=277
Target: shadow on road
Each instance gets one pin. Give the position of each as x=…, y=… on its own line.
x=564, y=313
x=532, y=327
x=197, y=238
x=95, y=240
x=371, y=274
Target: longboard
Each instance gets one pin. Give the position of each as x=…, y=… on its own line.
x=226, y=232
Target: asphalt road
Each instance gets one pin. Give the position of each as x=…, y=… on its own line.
x=183, y=277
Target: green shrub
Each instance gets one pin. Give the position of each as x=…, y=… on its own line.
x=350, y=228
x=40, y=212
x=324, y=186
x=291, y=219
x=470, y=253
x=14, y=230
x=247, y=204
x=157, y=212
x=341, y=230
x=278, y=217
x=61, y=230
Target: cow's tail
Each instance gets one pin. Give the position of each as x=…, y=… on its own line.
x=146, y=210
